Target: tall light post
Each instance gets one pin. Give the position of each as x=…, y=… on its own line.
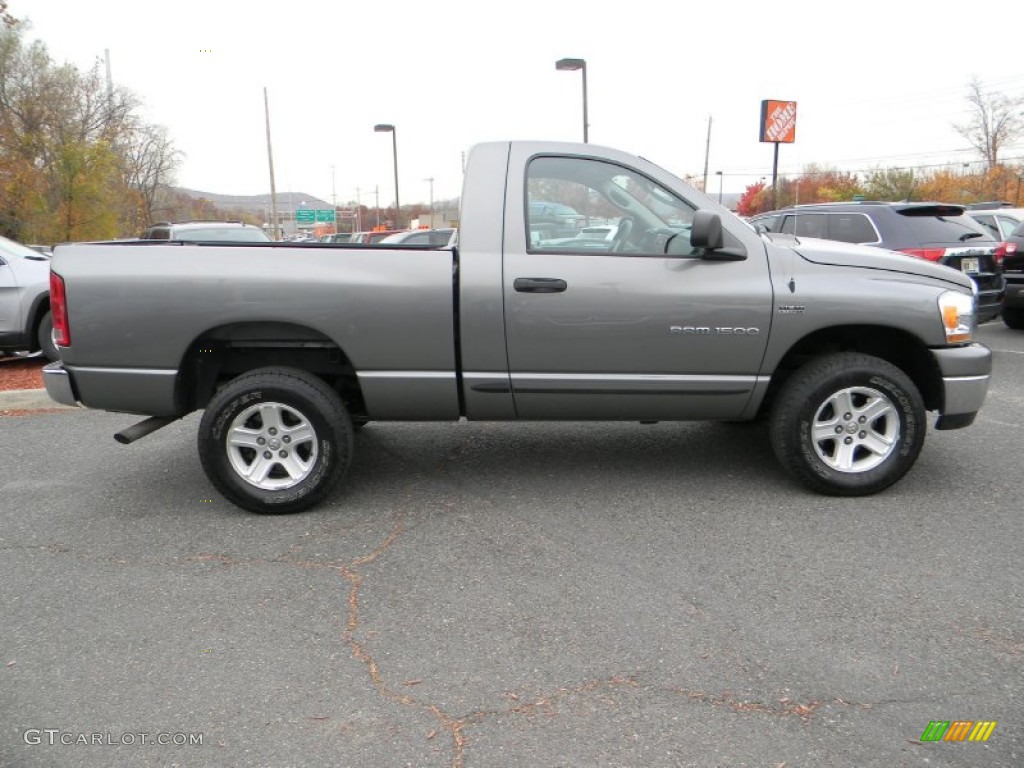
x=572, y=65
x=388, y=128
x=431, y=181
x=720, y=177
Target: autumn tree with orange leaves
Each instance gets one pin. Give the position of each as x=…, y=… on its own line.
x=76, y=162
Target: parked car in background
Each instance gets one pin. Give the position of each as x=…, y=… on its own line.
x=337, y=237
x=937, y=232
x=1013, y=272
x=551, y=220
x=444, y=238
x=375, y=236
x=25, y=321
x=206, y=231
x=999, y=222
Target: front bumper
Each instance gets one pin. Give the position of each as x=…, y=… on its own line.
x=59, y=385
x=966, y=372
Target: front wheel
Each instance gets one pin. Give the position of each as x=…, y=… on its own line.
x=275, y=440
x=848, y=424
x=1013, y=317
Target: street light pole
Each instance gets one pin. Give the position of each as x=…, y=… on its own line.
x=572, y=65
x=431, y=180
x=720, y=176
x=388, y=128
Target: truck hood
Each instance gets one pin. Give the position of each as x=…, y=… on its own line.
x=834, y=253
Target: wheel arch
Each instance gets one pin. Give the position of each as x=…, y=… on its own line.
x=224, y=352
x=898, y=347
x=37, y=311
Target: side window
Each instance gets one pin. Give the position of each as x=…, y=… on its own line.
x=579, y=205
x=989, y=223
x=788, y=223
x=769, y=223
x=851, y=228
x=1007, y=224
x=811, y=225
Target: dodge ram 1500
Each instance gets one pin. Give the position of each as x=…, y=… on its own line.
x=685, y=313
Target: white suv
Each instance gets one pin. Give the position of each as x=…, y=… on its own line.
x=25, y=321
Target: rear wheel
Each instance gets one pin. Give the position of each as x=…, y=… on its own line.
x=1013, y=317
x=44, y=336
x=275, y=440
x=848, y=424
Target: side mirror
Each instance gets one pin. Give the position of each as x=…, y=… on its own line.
x=708, y=236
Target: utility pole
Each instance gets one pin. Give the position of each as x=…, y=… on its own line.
x=334, y=201
x=270, y=160
x=431, y=180
x=707, y=152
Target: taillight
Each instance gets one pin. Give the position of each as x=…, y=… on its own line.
x=59, y=311
x=928, y=254
x=1002, y=251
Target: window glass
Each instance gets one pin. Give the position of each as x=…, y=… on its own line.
x=989, y=222
x=1008, y=224
x=928, y=228
x=769, y=223
x=220, y=234
x=580, y=205
x=10, y=248
x=810, y=225
x=851, y=228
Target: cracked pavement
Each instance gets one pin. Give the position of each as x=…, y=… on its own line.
x=513, y=594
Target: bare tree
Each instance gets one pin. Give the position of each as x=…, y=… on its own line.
x=149, y=160
x=5, y=18
x=995, y=122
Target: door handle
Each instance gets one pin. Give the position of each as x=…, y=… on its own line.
x=539, y=285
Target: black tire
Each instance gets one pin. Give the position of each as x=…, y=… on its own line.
x=874, y=448
x=1014, y=318
x=44, y=335
x=298, y=417
x=358, y=424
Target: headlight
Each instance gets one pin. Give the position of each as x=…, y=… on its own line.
x=959, y=318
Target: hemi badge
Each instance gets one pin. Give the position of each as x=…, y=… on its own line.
x=791, y=309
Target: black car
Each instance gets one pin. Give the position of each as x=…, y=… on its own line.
x=937, y=232
x=1013, y=270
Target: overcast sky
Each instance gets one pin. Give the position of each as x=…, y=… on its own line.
x=876, y=83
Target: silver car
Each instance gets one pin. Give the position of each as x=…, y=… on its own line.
x=25, y=321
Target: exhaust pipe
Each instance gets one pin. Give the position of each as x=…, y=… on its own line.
x=143, y=428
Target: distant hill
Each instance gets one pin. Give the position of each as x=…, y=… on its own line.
x=286, y=201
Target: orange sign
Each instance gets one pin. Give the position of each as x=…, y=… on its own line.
x=778, y=121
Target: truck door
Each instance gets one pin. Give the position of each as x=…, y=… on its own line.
x=609, y=314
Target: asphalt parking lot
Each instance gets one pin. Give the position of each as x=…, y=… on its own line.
x=512, y=595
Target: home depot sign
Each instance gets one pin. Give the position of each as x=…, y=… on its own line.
x=778, y=121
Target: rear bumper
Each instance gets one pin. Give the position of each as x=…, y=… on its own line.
x=966, y=373
x=59, y=385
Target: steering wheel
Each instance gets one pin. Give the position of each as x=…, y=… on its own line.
x=622, y=234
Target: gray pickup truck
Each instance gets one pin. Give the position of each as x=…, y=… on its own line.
x=686, y=312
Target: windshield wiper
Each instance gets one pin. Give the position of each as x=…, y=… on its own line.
x=970, y=235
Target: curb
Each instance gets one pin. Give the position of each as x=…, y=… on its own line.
x=28, y=400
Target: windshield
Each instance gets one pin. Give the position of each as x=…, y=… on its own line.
x=222, y=234
x=11, y=248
